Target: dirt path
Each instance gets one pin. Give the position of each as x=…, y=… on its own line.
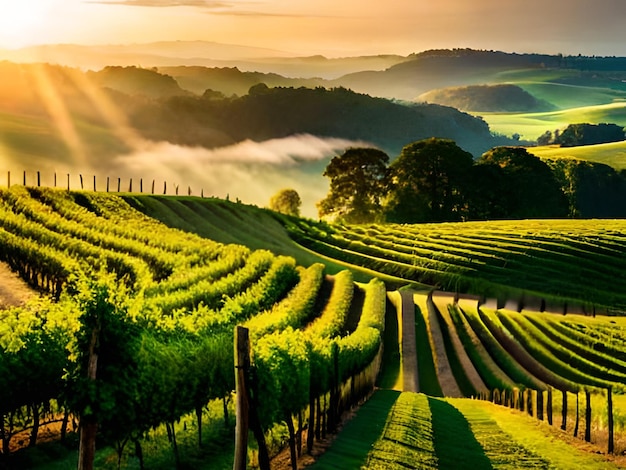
x=13, y=290
x=409, y=346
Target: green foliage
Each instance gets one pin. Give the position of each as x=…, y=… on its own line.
x=428, y=182
x=286, y=201
x=358, y=180
x=592, y=189
x=521, y=171
x=282, y=376
x=590, y=134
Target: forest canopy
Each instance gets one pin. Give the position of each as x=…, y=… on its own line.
x=434, y=180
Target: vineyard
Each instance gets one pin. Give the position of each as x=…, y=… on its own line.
x=162, y=305
x=549, y=263
x=135, y=333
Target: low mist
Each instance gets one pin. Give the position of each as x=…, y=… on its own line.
x=251, y=172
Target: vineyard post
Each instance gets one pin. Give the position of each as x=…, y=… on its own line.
x=81, y=181
x=39, y=179
x=88, y=424
x=164, y=188
x=549, y=406
x=588, y=416
x=9, y=179
x=130, y=186
x=24, y=177
x=108, y=184
x=55, y=179
x=140, y=185
x=94, y=183
x=577, y=416
x=609, y=407
x=242, y=368
x=68, y=181
x=540, y=405
x=564, y=411
x=119, y=184
x=152, y=186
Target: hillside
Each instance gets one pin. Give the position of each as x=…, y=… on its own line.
x=487, y=98
x=311, y=331
x=612, y=154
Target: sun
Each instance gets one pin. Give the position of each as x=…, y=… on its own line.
x=23, y=22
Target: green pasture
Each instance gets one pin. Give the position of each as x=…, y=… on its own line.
x=612, y=154
x=531, y=125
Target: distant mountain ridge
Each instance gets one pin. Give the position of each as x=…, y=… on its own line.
x=198, y=53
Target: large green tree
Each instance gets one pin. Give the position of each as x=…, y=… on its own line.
x=429, y=182
x=527, y=186
x=358, y=181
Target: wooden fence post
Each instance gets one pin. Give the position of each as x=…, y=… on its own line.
x=588, y=416
x=242, y=368
x=88, y=424
x=564, y=411
x=577, y=416
x=549, y=406
x=609, y=405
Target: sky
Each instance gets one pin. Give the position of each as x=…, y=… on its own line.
x=330, y=27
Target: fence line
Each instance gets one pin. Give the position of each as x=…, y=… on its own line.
x=34, y=179
x=532, y=403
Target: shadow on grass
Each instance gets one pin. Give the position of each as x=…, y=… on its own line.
x=355, y=440
x=455, y=444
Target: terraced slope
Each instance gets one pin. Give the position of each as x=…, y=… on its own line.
x=177, y=298
x=575, y=261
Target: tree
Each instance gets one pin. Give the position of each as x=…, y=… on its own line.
x=286, y=201
x=528, y=186
x=429, y=182
x=590, y=134
x=358, y=182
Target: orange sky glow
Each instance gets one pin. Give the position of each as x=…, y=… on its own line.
x=329, y=27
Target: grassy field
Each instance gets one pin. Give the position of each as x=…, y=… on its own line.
x=434, y=433
x=532, y=125
x=612, y=154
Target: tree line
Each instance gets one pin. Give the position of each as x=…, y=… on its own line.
x=434, y=180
